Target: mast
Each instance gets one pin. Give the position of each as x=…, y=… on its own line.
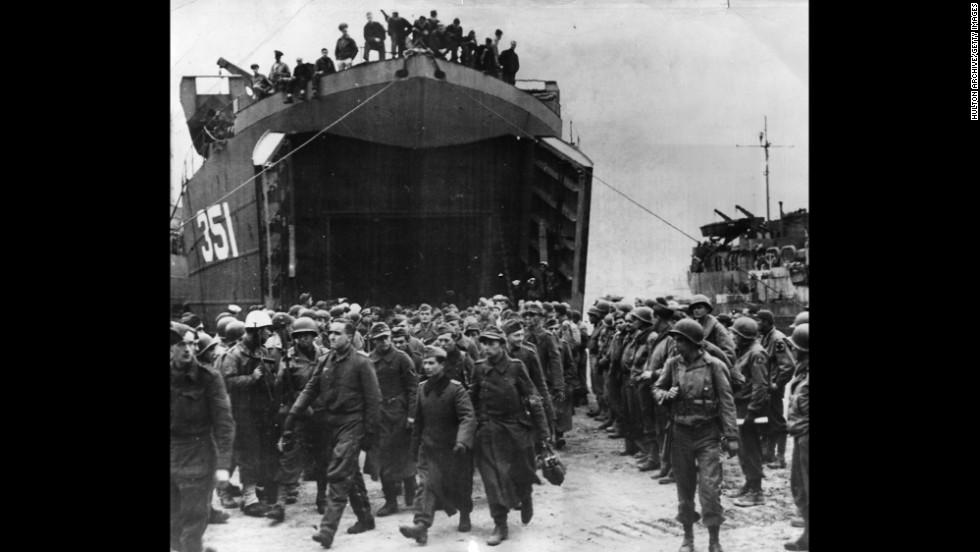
x=765, y=144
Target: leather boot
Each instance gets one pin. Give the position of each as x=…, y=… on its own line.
x=325, y=540
x=321, y=495
x=713, y=544
x=688, y=544
x=217, y=516
x=605, y=424
x=527, y=509
x=768, y=454
x=499, y=535
x=390, y=507
x=464, y=523
x=419, y=532
x=745, y=489
x=751, y=498
x=292, y=493
x=367, y=524
x=411, y=487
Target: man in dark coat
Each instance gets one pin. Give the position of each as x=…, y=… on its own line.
x=781, y=369
x=564, y=410
x=510, y=63
x=425, y=331
x=454, y=37
x=442, y=440
x=390, y=460
x=398, y=29
x=459, y=365
x=324, y=66
x=798, y=425
x=750, y=404
x=374, y=38
x=637, y=395
x=346, y=403
x=488, y=61
x=519, y=349
x=506, y=435
x=250, y=374
x=714, y=331
x=302, y=75
x=201, y=435
x=549, y=355
x=346, y=49
x=399, y=340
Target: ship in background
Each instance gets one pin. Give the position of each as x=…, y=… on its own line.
x=401, y=181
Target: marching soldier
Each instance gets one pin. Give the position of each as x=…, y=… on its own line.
x=703, y=410
x=399, y=340
x=390, y=460
x=549, y=355
x=442, y=440
x=502, y=393
x=781, y=368
x=298, y=369
x=346, y=403
x=798, y=425
x=750, y=404
x=459, y=365
x=519, y=349
x=714, y=331
x=563, y=401
x=425, y=331
x=250, y=374
x=201, y=435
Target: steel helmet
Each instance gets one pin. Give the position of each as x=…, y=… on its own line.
x=234, y=330
x=204, y=343
x=304, y=325
x=801, y=337
x=746, y=327
x=701, y=299
x=688, y=328
x=644, y=314
x=223, y=325
x=802, y=318
x=281, y=320
x=257, y=319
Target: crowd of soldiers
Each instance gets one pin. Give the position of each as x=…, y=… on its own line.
x=423, y=36
x=435, y=394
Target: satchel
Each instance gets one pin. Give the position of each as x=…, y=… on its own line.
x=552, y=466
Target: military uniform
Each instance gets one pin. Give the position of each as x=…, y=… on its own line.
x=464, y=343
x=716, y=333
x=662, y=349
x=459, y=366
x=346, y=403
x=781, y=368
x=637, y=398
x=256, y=412
x=444, y=418
x=798, y=425
x=202, y=433
x=549, y=353
x=502, y=393
x=528, y=355
x=614, y=378
x=297, y=370
x=702, y=412
x=562, y=402
x=597, y=346
x=750, y=403
x=425, y=332
x=390, y=459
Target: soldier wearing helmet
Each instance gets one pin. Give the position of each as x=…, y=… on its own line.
x=299, y=367
x=801, y=318
x=751, y=403
x=201, y=436
x=596, y=314
x=638, y=402
x=250, y=374
x=615, y=376
x=714, y=331
x=661, y=348
x=696, y=386
x=278, y=340
x=399, y=383
x=205, y=349
x=798, y=425
x=781, y=368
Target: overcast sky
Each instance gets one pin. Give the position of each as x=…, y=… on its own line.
x=659, y=93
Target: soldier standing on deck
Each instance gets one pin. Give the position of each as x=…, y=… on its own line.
x=201, y=436
x=502, y=394
x=696, y=386
x=399, y=383
x=298, y=369
x=798, y=425
x=781, y=368
x=750, y=403
x=346, y=403
x=250, y=374
x=442, y=439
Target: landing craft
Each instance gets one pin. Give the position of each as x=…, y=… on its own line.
x=400, y=181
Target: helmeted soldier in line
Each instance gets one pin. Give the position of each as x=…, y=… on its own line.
x=798, y=425
x=697, y=387
x=250, y=374
x=299, y=367
x=714, y=331
x=751, y=402
x=346, y=403
x=390, y=459
x=506, y=434
x=662, y=348
x=781, y=368
x=614, y=377
x=201, y=436
x=596, y=315
x=442, y=440
x=637, y=395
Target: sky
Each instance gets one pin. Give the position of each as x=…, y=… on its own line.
x=659, y=94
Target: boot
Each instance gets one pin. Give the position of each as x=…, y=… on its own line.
x=419, y=532
x=605, y=424
x=217, y=516
x=648, y=464
x=256, y=509
x=527, y=509
x=802, y=543
x=367, y=524
x=411, y=487
x=228, y=501
x=780, y=460
x=713, y=544
x=324, y=539
x=667, y=480
x=390, y=507
x=751, y=498
x=768, y=446
x=321, y=495
x=464, y=523
x=499, y=534
x=233, y=491
x=276, y=513
x=744, y=490
x=292, y=493
x=688, y=544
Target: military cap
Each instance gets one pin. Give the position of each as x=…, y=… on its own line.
x=324, y=51
x=342, y=26
x=492, y=333
x=625, y=307
x=725, y=319
x=512, y=326
x=425, y=307
x=191, y=319
x=649, y=303
x=320, y=313
x=399, y=331
x=801, y=318
x=294, y=310
x=603, y=305
x=472, y=327
x=235, y=309
x=281, y=319
x=662, y=312
x=499, y=297
x=765, y=315
x=223, y=315
x=321, y=305
x=307, y=313
x=443, y=329
x=451, y=316
x=278, y=53
x=547, y=307
x=612, y=298
x=593, y=310
x=234, y=331
x=551, y=323
x=699, y=299
x=336, y=311
x=254, y=66
x=532, y=308
x=380, y=329
x=608, y=320
x=436, y=352
x=177, y=331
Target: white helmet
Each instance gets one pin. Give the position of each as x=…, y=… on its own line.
x=355, y=308
x=257, y=319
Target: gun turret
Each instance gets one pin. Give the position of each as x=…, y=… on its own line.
x=232, y=68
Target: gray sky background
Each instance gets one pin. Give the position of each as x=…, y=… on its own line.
x=659, y=93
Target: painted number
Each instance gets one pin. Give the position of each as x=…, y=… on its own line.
x=218, y=242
